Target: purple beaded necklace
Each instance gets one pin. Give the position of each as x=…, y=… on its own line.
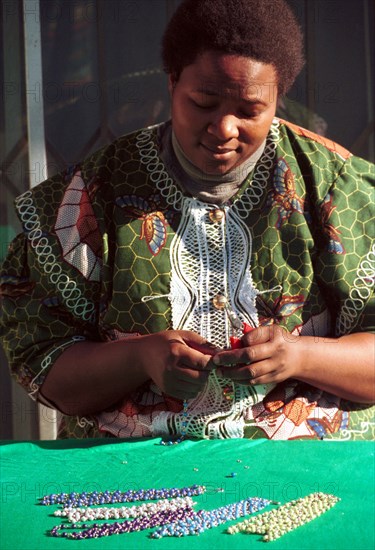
x=111, y=497
x=97, y=530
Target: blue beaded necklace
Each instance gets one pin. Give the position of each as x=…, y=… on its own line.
x=200, y=521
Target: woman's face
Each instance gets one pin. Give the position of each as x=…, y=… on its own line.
x=222, y=109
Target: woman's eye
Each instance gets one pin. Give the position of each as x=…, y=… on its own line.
x=202, y=105
x=252, y=114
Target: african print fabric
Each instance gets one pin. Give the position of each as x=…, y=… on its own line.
x=113, y=248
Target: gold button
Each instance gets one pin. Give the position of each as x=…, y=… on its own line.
x=219, y=301
x=216, y=215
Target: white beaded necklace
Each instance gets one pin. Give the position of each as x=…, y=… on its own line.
x=74, y=515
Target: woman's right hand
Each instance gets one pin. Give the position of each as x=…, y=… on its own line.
x=89, y=376
x=178, y=361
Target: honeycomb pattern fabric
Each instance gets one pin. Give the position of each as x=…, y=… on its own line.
x=99, y=259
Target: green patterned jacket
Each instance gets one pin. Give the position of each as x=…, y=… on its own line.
x=113, y=247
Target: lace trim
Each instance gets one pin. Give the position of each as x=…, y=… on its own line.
x=149, y=156
x=253, y=193
x=34, y=385
x=251, y=197
x=67, y=287
x=209, y=259
x=358, y=296
x=347, y=435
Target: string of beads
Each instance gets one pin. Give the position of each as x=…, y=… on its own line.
x=176, y=517
x=118, y=528
x=75, y=515
x=202, y=520
x=276, y=523
x=111, y=497
x=184, y=424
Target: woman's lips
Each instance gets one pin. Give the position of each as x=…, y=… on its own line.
x=218, y=152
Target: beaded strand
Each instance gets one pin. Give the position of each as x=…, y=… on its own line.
x=97, y=530
x=276, y=523
x=111, y=497
x=202, y=520
x=75, y=515
x=184, y=424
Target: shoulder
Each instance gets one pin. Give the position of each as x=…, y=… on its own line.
x=102, y=168
x=122, y=153
x=310, y=140
x=321, y=158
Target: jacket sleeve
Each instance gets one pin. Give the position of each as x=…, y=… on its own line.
x=50, y=280
x=346, y=261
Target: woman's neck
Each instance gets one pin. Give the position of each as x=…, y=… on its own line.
x=213, y=188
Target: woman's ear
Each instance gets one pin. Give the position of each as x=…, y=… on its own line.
x=172, y=81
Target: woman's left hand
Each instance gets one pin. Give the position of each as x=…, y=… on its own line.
x=268, y=354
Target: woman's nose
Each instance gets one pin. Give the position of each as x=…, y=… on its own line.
x=224, y=127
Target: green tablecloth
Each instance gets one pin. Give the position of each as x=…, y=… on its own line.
x=278, y=470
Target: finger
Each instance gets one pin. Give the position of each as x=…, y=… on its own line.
x=241, y=375
x=257, y=336
x=260, y=352
x=196, y=342
x=251, y=376
x=272, y=376
x=192, y=359
x=186, y=374
x=183, y=386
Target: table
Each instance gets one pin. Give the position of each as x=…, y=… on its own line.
x=281, y=470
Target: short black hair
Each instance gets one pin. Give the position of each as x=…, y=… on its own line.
x=264, y=30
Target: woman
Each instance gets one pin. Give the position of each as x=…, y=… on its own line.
x=208, y=277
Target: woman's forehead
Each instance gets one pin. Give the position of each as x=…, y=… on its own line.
x=214, y=73
x=220, y=65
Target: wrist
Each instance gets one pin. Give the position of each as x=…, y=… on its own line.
x=303, y=358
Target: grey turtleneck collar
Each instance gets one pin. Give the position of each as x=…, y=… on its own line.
x=216, y=189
